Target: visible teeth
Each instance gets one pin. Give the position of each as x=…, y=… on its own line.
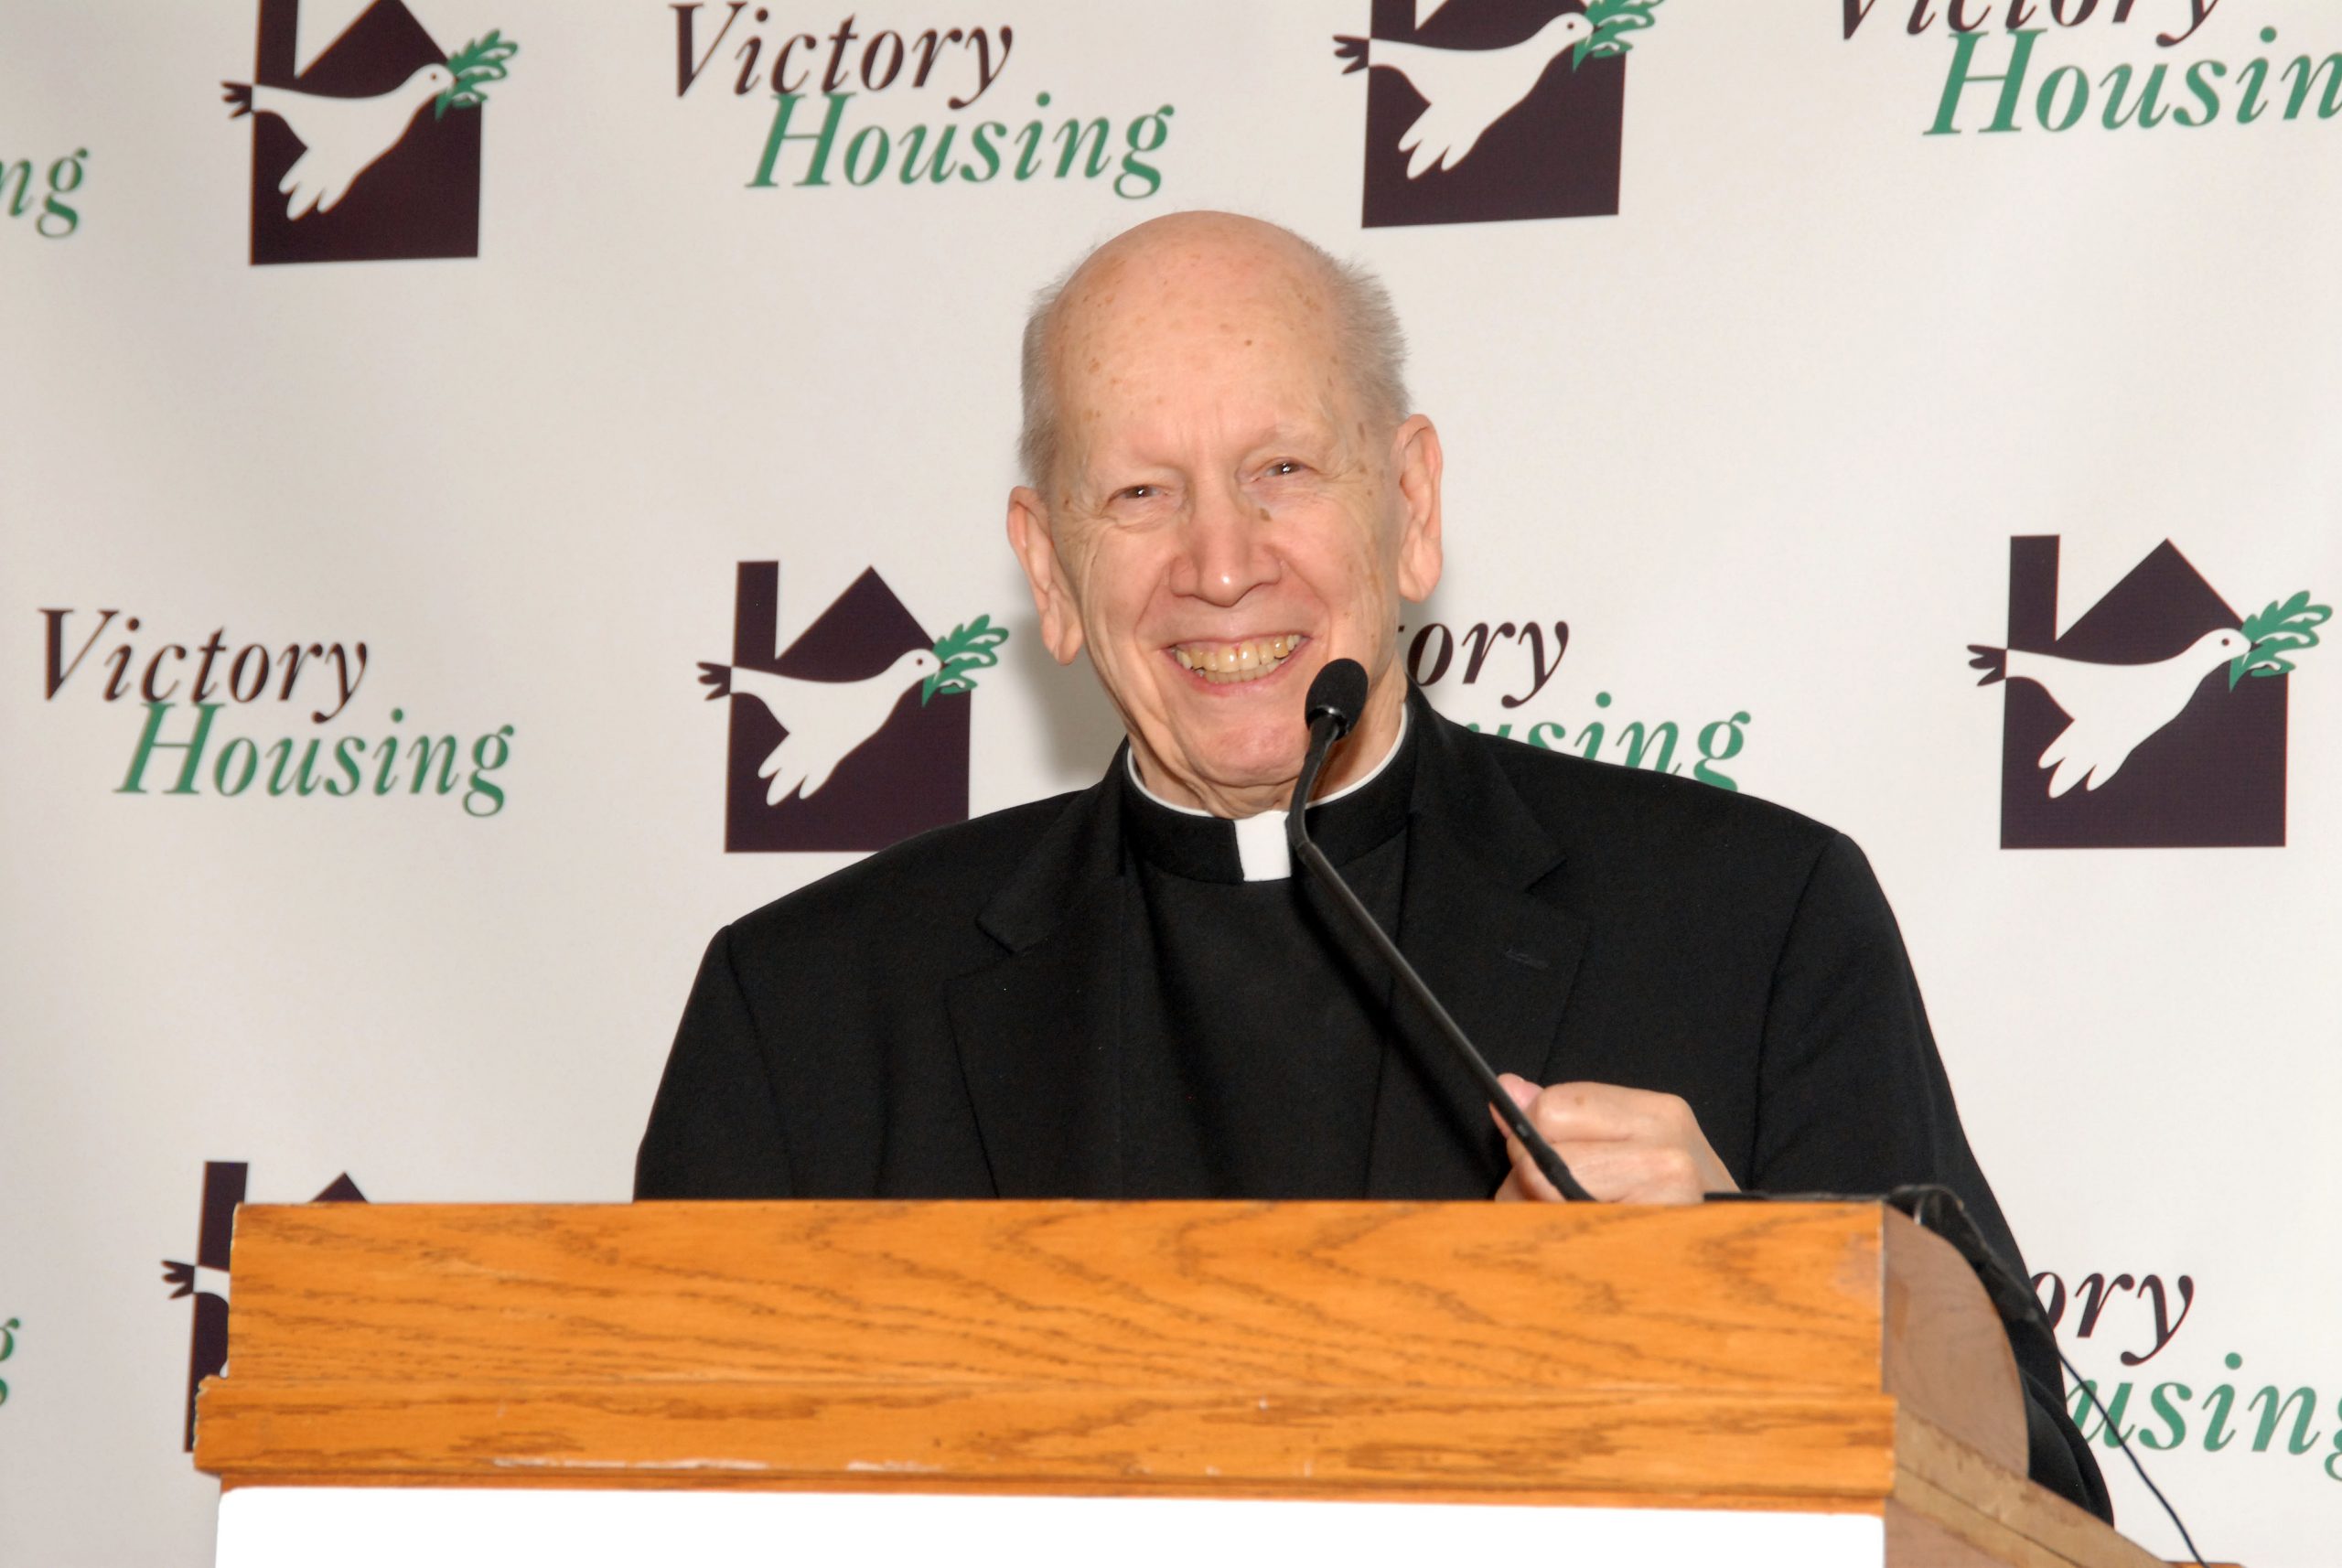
x=1226, y=662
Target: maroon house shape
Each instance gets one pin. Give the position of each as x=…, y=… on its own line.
x=2213, y=777
x=909, y=776
x=1554, y=155
x=420, y=200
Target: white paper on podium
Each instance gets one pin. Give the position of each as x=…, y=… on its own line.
x=321, y=1527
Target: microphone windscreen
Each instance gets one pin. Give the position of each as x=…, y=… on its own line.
x=1340, y=690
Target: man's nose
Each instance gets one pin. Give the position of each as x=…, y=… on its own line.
x=1227, y=550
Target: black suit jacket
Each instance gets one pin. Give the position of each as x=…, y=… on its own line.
x=940, y=1019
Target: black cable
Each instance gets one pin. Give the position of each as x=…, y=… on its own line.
x=2090, y=1391
x=1938, y=1208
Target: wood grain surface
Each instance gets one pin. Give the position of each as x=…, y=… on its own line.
x=1817, y=1356
x=1833, y=1451
x=1972, y=1499
x=1344, y=1295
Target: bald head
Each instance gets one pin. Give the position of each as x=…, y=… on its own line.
x=1209, y=276
x=1229, y=494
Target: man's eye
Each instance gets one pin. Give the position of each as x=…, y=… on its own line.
x=1137, y=492
x=1281, y=467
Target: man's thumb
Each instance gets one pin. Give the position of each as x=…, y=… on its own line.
x=1524, y=1093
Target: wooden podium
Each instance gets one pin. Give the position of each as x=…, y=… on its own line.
x=1534, y=1371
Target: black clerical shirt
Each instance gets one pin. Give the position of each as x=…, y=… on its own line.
x=1255, y=1025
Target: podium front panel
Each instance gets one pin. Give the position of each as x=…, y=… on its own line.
x=300, y=1527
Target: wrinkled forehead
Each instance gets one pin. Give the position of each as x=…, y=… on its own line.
x=1250, y=338
x=1118, y=294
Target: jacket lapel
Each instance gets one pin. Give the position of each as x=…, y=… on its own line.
x=1499, y=958
x=1039, y=1033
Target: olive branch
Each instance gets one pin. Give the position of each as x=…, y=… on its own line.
x=1612, y=19
x=968, y=647
x=475, y=65
x=2276, y=631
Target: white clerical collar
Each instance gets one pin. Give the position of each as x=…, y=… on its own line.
x=1259, y=840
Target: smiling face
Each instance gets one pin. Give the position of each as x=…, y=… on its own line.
x=1225, y=515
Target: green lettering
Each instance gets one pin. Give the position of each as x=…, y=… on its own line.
x=2046, y=101
x=1733, y=738
x=150, y=742
x=424, y=752
x=2149, y=108
x=2204, y=94
x=2216, y=1436
x=1637, y=742
x=227, y=755
x=2160, y=1400
x=2331, y=66
x=878, y=165
x=2303, y=1440
x=823, y=140
x=1961, y=78
x=348, y=766
x=937, y=172
x=1071, y=133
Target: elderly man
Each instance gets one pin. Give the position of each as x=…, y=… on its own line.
x=1122, y=993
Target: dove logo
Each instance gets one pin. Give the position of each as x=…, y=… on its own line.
x=1480, y=111
x=206, y=1278
x=856, y=736
x=2156, y=720
x=366, y=134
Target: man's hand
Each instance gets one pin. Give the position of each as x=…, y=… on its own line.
x=1624, y=1145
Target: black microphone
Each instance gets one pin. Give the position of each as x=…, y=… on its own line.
x=1332, y=707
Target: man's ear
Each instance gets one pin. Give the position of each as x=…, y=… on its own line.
x=1418, y=462
x=1037, y=551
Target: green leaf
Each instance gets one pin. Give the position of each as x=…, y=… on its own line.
x=485, y=57
x=475, y=65
x=1612, y=18
x=975, y=646
x=2277, y=630
x=2295, y=614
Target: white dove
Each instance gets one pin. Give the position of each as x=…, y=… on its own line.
x=1465, y=91
x=827, y=721
x=341, y=138
x=2113, y=707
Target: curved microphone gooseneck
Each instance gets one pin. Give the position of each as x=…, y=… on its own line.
x=1336, y=696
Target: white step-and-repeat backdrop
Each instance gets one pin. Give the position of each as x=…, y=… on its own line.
x=398, y=401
